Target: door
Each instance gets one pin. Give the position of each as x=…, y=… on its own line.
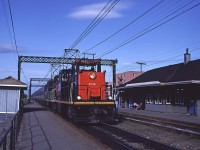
x=191, y=107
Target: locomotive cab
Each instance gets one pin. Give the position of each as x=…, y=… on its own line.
x=92, y=103
x=64, y=82
x=91, y=85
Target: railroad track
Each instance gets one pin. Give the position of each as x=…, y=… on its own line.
x=117, y=138
x=167, y=124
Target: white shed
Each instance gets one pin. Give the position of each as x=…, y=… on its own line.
x=10, y=94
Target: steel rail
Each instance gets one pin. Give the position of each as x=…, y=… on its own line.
x=106, y=138
x=136, y=138
x=168, y=124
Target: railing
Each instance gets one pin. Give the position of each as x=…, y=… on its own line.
x=9, y=135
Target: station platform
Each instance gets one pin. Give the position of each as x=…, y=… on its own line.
x=44, y=130
x=176, y=117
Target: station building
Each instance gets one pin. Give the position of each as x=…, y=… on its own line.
x=11, y=94
x=171, y=89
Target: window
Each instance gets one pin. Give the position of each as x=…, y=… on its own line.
x=149, y=99
x=157, y=98
x=179, y=97
x=168, y=97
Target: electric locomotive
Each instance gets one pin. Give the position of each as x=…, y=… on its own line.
x=81, y=93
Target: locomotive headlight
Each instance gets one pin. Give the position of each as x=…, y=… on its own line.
x=79, y=97
x=110, y=97
x=92, y=76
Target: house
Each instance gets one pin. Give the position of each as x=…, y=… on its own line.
x=173, y=89
x=10, y=94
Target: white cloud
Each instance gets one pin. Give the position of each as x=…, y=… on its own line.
x=8, y=49
x=127, y=63
x=92, y=10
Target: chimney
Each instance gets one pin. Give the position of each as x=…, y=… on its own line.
x=186, y=57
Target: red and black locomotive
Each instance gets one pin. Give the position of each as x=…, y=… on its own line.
x=81, y=92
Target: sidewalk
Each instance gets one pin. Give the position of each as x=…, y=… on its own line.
x=44, y=130
x=31, y=134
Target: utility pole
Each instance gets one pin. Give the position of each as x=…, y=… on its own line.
x=141, y=64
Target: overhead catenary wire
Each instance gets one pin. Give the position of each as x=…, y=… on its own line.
x=88, y=27
x=157, y=12
x=151, y=28
x=161, y=61
x=7, y=21
x=176, y=51
x=102, y=14
x=126, y=31
x=14, y=36
x=13, y=28
x=124, y=27
x=195, y=49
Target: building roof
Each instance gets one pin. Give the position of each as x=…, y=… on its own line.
x=12, y=82
x=173, y=74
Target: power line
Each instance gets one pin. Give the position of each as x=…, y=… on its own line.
x=102, y=14
x=7, y=21
x=162, y=57
x=89, y=27
x=174, y=51
x=124, y=27
x=174, y=57
x=151, y=28
x=165, y=60
x=13, y=28
x=14, y=36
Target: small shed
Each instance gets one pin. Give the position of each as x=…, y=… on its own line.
x=10, y=94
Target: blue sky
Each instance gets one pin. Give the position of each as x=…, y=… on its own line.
x=47, y=27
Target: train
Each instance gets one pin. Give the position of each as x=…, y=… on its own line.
x=81, y=93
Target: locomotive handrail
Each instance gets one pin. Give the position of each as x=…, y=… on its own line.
x=102, y=92
x=71, y=91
